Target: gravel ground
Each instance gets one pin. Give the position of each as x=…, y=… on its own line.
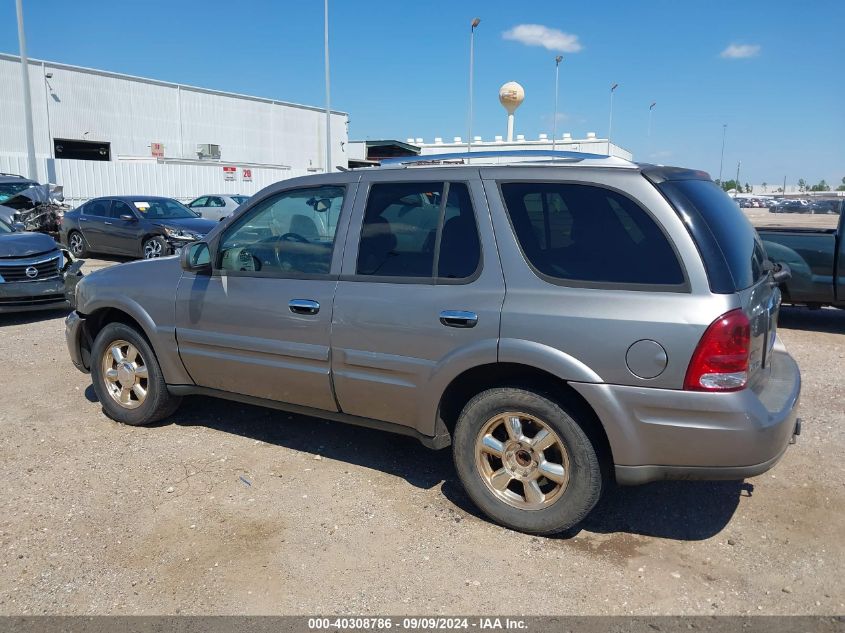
x=232, y=509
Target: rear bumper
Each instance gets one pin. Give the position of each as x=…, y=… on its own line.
x=25, y=296
x=659, y=434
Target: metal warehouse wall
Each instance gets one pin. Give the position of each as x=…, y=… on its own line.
x=84, y=179
x=131, y=113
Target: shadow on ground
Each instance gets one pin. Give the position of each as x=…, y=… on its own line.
x=36, y=316
x=830, y=320
x=680, y=510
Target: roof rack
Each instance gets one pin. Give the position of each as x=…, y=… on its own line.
x=2, y=173
x=501, y=157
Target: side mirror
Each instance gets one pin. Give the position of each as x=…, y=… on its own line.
x=128, y=218
x=781, y=273
x=196, y=258
x=18, y=226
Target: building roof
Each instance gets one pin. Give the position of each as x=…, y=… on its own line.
x=158, y=82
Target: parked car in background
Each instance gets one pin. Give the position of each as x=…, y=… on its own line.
x=35, y=273
x=816, y=257
x=217, y=206
x=136, y=226
x=832, y=206
x=560, y=323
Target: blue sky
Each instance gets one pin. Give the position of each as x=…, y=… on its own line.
x=400, y=67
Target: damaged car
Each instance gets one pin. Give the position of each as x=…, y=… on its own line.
x=136, y=226
x=35, y=272
x=39, y=208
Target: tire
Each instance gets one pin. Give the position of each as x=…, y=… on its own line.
x=572, y=461
x=77, y=245
x=154, y=247
x=121, y=402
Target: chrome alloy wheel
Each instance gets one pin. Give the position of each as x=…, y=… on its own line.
x=125, y=374
x=522, y=461
x=152, y=249
x=76, y=244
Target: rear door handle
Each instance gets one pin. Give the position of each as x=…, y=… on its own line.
x=304, y=306
x=458, y=318
x=109, y=223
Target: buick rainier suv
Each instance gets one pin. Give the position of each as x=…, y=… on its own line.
x=561, y=320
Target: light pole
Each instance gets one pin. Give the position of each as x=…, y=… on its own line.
x=27, y=98
x=722, y=160
x=558, y=59
x=47, y=90
x=475, y=22
x=610, y=121
x=328, y=90
x=736, y=188
x=650, y=109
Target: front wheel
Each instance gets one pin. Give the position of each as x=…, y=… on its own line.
x=154, y=247
x=526, y=461
x=127, y=378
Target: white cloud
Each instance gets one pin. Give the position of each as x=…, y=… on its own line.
x=741, y=51
x=539, y=35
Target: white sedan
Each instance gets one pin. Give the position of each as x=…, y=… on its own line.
x=217, y=206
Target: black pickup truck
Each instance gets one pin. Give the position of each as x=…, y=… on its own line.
x=815, y=255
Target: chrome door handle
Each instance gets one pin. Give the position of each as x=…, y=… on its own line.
x=304, y=306
x=83, y=219
x=109, y=223
x=458, y=318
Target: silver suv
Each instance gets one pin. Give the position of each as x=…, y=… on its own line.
x=560, y=322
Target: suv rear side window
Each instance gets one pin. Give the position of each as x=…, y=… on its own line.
x=736, y=238
x=408, y=227
x=586, y=233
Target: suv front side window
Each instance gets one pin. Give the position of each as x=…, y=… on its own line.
x=419, y=230
x=291, y=232
x=589, y=234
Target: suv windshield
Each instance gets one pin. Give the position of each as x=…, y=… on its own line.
x=11, y=189
x=163, y=209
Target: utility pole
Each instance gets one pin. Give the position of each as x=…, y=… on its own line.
x=328, y=91
x=475, y=22
x=558, y=59
x=722, y=160
x=27, y=98
x=650, y=109
x=610, y=121
x=737, y=179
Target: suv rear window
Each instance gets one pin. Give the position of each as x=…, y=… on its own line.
x=585, y=233
x=735, y=237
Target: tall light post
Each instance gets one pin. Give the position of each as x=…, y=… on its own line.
x=736, y=188
x=610, y=120
x=475, y=22
x=650, y=110
x=722, y=160
x=328, y=90
x=558, y=59
x=27, y=98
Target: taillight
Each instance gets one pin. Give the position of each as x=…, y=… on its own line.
x=720, y=362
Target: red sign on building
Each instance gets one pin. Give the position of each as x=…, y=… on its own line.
x=229, y=173
x=247, y=175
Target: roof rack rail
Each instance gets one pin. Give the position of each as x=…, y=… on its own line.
x=494, y=157
x=3, y=173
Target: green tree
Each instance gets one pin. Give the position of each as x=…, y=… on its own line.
x=820, y=186
x=747, y=188
x=729, y=184
x=842, y=186
x=802, y=185
x=765, y=187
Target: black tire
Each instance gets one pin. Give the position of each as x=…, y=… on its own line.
x=154, y=247
x=585, y=482
x=77, y=245
x=157, y=404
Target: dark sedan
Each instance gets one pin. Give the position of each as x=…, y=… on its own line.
x=35, y=274
x=137, y=226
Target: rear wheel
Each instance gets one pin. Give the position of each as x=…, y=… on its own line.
x=127, y=378
x=526, y=461
x=76, y=244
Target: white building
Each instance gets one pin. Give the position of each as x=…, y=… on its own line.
x=99, y=133
x=591, y=144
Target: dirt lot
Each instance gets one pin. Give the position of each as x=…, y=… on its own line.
x=234, y=509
